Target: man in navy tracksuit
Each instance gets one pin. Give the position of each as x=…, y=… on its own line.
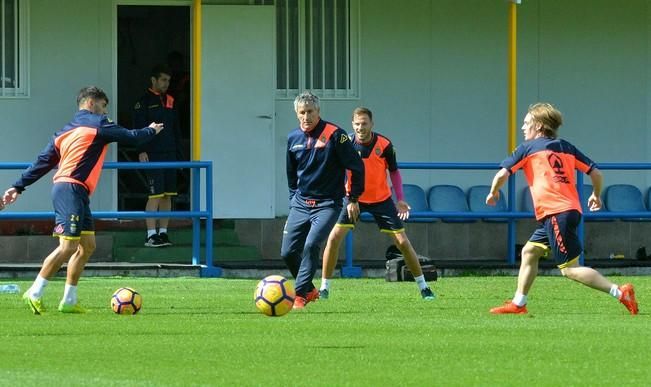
x=318, y=155
x=158, y=106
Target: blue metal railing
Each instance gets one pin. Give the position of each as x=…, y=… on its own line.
x=349, y=270
x=196, y=213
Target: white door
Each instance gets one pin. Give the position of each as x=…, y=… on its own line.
x=237, y=105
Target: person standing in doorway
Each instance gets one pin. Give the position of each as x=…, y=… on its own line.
x=156, y=105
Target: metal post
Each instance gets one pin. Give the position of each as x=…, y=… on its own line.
x=209, y=270
x=512, y=73
x=196, y=221
x=348, y=270
x=196, y=79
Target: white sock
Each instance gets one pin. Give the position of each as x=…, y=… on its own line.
x=70, y=295
x=162, y=230
x=325, y=284
x=151, y=232
x=519, y=299
x=615, y=292
x=420, y=280
x=37, y=288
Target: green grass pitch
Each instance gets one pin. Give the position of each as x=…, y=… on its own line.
x=194, y=331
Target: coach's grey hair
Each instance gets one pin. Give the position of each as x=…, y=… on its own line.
x=306, y=98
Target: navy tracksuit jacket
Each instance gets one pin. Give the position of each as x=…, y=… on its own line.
x=316, y=170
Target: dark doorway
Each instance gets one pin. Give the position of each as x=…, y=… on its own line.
x=147, y=36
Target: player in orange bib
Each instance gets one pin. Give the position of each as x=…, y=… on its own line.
x=379, y=157
x=78, y=151
x=549, y=163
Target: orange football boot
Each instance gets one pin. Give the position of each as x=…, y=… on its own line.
x=628, y=298
x=311, y=296
x=509, y=308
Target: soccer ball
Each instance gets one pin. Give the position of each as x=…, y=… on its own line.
x=274, y=295
x=126, y=301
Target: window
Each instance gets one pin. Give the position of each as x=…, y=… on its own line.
x=13, y=49
x=316, y=47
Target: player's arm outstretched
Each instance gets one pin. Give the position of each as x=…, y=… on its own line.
x=501, y=177
x=112, y=132
x=9, y=196
x=594, y=201
x=115, y=133
x=45, y=162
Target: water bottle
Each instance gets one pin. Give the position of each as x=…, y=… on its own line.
x=9, y=289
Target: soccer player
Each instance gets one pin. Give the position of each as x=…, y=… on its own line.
x=318, y=155
x=378, y=155
x=549, y=163
x=78, y=150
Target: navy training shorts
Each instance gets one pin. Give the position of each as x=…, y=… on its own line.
x=559, y=233
x=384, y=213
x=72, y=211
x=161, y=182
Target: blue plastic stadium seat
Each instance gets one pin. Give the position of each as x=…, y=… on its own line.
x=477, y=202
x=625, y=197
x=449, y=198
x=415, y=196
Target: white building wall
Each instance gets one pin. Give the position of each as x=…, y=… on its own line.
x=435, y=75
x=590, y=58
x=67, y=51
x=433, y=72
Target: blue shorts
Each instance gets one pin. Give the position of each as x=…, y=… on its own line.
x=558, y=233
x=161, y=182
x=72, y=211
x=385, y=214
